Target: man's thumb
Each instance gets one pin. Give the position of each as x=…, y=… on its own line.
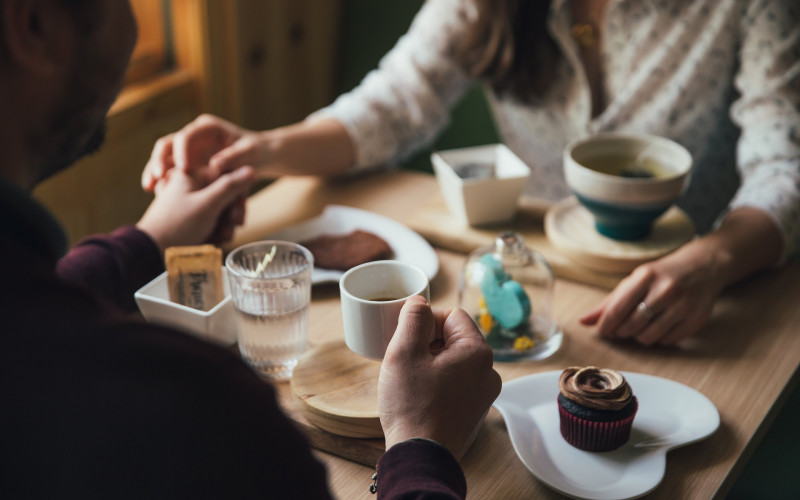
x=224, y=190
x=416, y=326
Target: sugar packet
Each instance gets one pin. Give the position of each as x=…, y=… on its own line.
x=194, y=276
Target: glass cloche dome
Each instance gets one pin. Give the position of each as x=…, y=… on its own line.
x=507, y=288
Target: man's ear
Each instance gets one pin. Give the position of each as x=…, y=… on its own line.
x=34, y=33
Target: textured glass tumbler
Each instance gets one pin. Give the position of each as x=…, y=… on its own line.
x=270, y=284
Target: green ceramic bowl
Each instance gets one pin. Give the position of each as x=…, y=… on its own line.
x=626, y=181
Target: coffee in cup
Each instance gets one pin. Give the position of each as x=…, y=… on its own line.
x=372, y=295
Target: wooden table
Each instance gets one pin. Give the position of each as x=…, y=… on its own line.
x=745, y=360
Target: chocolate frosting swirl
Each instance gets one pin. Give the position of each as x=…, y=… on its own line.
x=594, y=387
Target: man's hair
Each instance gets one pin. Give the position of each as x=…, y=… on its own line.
x=83, y=13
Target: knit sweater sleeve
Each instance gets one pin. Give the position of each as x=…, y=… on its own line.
x=404, y=103
x=113, y=266
x=419, y=469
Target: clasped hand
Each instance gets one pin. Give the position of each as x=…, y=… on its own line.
x=208, y=146
x=436, y=381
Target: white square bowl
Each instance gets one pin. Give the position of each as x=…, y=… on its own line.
x=481, y=201
x=216, y=325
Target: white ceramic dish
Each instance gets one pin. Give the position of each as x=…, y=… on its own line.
x=670, y=415
x=479, y=201
x=217, y=324
x=673, y=157
x=407, y=245
x=624, y=208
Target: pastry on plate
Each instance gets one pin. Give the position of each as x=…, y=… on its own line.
x=596, y=407
x=343, y=251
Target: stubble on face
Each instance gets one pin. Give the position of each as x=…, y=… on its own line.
x=75, y=131
x=77, y=125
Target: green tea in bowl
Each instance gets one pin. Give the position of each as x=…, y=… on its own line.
x=626, y=181
x=628, y=166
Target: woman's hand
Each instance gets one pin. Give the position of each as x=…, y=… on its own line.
x=209, y=147
x=436, y=380
x=672, y=298
x=662, y=301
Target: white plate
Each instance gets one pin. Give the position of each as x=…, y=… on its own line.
x=407, y=245
x=670, y=415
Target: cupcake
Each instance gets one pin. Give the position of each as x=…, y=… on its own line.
x=596, y=408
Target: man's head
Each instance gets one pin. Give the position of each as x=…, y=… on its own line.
x=62, y=63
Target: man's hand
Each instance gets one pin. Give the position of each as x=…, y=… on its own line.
x=188, y=211
x=436, y=380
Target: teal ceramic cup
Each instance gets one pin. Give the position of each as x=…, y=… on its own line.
x=626, y=181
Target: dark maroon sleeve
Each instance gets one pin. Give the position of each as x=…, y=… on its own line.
x=420, y=469
x=113, y=266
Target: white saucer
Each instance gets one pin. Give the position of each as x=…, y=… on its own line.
x=670, y=415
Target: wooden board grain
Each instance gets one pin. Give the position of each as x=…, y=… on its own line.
x=359, y=450
x=335, y=402
x=337, y=390
x=437, y=225
x=570, y=228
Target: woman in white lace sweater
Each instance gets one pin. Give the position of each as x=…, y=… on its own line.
x=721, y=77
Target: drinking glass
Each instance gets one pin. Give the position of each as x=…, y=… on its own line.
x=270, y=284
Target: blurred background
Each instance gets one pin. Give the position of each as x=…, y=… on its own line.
x=267, y=63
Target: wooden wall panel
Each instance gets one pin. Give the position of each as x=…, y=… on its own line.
x=150, y=54
x=260, y=63
x=285, y=53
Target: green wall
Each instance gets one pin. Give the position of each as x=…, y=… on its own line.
x=369, y=29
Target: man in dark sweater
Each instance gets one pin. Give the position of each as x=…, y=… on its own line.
x=96, y=405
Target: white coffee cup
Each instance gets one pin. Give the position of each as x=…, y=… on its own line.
x=372, y=295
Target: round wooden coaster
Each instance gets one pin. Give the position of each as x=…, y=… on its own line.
x=337, y=390
x=570, y=228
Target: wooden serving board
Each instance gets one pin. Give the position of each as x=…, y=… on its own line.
x=570, y=228
x=326, y=374
x=337, y=390
x=362, y=451
x=436, y=224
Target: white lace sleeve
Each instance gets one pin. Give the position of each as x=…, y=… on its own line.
x=768, y=113
x=403, y=104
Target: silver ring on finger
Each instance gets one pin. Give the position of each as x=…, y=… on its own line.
x=645, y=310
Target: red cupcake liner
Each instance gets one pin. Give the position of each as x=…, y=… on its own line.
x=591, y=435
